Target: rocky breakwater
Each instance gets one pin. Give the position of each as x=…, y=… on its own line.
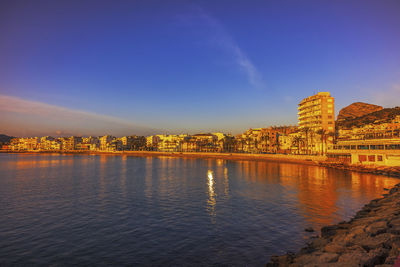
x=379, y=170
x=371, y=238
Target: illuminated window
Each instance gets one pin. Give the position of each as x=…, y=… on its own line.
x=380, y=158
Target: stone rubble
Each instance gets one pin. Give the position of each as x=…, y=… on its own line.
x=371, y=238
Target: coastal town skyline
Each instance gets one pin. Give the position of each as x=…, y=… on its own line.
x=14, y=105
x=189, y=67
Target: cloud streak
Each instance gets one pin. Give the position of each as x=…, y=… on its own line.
x=21, y=117
x=220, y=36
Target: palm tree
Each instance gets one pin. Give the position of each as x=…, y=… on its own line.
x=331, y=134
x=306, y=130
x=322, y=133
x=297, y=140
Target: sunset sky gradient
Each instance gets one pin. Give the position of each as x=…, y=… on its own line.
x=126, y=67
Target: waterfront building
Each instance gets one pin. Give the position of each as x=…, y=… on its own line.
x=83, y=146
x=381, y=152
x=105, y=142
x=205, y=142
x=69, y=143
x=45, y=143
x=28, y=144
x=169, y=142
x=227, y=144
x=265, y=140
x=152, y=142
x=317, y=122
x=249, y=141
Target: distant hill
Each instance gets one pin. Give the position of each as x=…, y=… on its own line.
x=380, y=116
x=5, y=138
x=356, y=110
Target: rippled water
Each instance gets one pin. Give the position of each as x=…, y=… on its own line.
x=68, y=210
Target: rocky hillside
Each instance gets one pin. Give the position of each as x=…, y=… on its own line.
x=381, y=116
x=356, y=110
x=4, y=139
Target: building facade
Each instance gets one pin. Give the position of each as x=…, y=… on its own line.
x=317, y=122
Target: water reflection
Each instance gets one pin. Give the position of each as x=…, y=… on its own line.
x=148, y=180
x=211, y=194
x=323, y=196
x=123, y=174
x=42, y=163
x=226, y=182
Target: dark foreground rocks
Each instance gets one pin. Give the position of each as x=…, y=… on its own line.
x=371, y=238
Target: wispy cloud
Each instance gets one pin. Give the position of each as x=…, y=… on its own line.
x=23, y=117
x=221, y=37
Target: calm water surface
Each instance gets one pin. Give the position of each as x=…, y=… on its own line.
x=104, y=210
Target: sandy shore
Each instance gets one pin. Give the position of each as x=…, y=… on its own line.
x=371, y=238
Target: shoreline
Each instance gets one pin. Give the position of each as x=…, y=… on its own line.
x=284, y=158
x=370, y=238
x=300, y=159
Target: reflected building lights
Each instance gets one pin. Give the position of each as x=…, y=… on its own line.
x=226, y=180
x=211, y=194
x=123, y=174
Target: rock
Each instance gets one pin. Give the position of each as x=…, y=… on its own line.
x=376, y=256
x=377, y=228
x=372, y=242
x=357, y=230
x=356, y=110
x=317, y=244
x=328, y=257
x=391, y=260
x=328, y=231
x=395, y=222
x=307, y=259
x=334, y=248
x=283, y=260
x=354, y=258
x=395, y=244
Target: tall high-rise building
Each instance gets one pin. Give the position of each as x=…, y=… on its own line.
x=317, y=121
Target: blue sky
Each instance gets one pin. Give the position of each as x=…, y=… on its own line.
x=189, y=66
